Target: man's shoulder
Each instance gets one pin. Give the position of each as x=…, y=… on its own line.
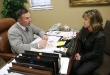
x=13, y=28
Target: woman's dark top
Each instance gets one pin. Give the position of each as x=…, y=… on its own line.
x=91, y=45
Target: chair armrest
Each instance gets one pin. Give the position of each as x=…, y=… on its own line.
x=8, y=55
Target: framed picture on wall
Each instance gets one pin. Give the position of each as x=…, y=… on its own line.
x=88, y=2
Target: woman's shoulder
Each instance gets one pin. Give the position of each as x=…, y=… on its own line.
x=100, y=34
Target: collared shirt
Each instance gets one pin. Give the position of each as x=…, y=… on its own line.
x=24, y=28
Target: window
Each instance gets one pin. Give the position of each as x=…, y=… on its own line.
x=40, y=4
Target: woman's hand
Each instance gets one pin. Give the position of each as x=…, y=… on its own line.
x=77, y=56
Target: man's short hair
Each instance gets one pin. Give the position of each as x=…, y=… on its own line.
x=20, y=12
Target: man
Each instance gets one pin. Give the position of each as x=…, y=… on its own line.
x=21, y=34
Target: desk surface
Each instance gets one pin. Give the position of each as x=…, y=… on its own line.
x=65, y=67
x=6, y=66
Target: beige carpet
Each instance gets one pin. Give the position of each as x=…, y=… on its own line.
x=2, y=63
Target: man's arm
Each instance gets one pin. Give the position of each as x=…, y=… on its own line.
x=37, y=30
x=17, y=43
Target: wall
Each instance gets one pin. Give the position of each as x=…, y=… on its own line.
x=64, y=14
x=1, y=6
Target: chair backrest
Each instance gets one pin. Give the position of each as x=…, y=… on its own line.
x=5, y=24
x=107, y=34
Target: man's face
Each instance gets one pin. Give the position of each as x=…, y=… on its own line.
x=86, y=22
x=25, y=19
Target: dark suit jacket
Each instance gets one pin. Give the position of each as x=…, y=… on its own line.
x=91, y=46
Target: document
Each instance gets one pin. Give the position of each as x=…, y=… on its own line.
x=69, y=34
x=50, y=50
x=51, y=43
x=64, y=65
x=4, y=70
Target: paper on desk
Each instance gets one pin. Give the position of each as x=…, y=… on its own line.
x=60, y=33
x=51, y=43
x=49, y=50
x=36, y=40
x=50, y=39
x=64, y=65
x=4, y=70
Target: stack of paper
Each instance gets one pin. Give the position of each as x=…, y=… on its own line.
x=64, y=65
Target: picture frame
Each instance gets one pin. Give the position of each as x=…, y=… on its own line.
x=88, y=2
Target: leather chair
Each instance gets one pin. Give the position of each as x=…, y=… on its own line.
x=5, y=49
x=104, y=69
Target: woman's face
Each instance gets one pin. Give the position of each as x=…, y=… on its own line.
x=86, y=22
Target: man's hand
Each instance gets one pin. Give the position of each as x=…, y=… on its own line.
x=42, y=43
x=45, y=37
x=77, y=56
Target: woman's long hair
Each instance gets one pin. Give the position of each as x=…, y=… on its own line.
x=96, y=20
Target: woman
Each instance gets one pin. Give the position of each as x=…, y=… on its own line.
x=89, y=55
